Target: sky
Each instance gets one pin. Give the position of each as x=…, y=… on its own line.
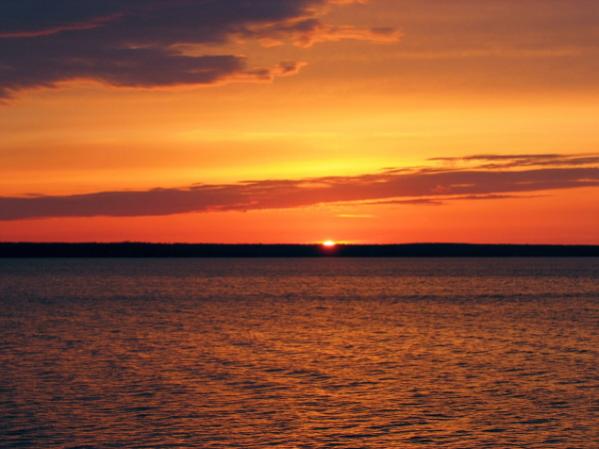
x=297, y=121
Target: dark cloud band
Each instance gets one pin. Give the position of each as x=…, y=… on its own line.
x=134, y=42
x=418, y=186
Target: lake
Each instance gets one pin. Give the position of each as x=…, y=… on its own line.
x=299, y=353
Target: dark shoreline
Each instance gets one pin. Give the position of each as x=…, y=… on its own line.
x=146, y=250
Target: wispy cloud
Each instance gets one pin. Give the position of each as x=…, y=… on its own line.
x=442, y=200
x=426, y=185
x=496, y=161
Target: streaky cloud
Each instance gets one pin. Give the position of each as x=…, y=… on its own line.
x=427, y=186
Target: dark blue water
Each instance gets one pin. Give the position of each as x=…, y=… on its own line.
x=318, y=353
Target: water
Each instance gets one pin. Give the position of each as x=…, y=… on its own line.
x=326, y=353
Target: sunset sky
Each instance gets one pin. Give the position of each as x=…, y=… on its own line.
x=299, y=120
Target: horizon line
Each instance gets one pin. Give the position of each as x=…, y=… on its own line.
x=319, y=243
x=258, y=250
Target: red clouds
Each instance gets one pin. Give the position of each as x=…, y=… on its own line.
x=434, y=185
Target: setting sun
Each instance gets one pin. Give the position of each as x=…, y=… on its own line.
x=225, y=223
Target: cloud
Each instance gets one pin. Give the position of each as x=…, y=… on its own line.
x=441, y=200
x=496, y=161
x=138, y=42
x=428, y=185
x=307, y=32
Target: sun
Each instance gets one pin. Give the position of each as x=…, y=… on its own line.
x=329, y=244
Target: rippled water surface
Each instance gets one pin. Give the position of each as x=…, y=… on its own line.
x=324, y=353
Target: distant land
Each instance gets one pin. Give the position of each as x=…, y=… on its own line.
x=144, y=250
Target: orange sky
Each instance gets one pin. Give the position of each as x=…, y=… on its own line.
x=331, y=95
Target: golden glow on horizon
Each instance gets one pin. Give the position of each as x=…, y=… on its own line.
x=443, y=90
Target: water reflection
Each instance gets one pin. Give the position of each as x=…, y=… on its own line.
x=299, y=354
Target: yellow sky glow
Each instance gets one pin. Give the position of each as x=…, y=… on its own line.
x=459, y=81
